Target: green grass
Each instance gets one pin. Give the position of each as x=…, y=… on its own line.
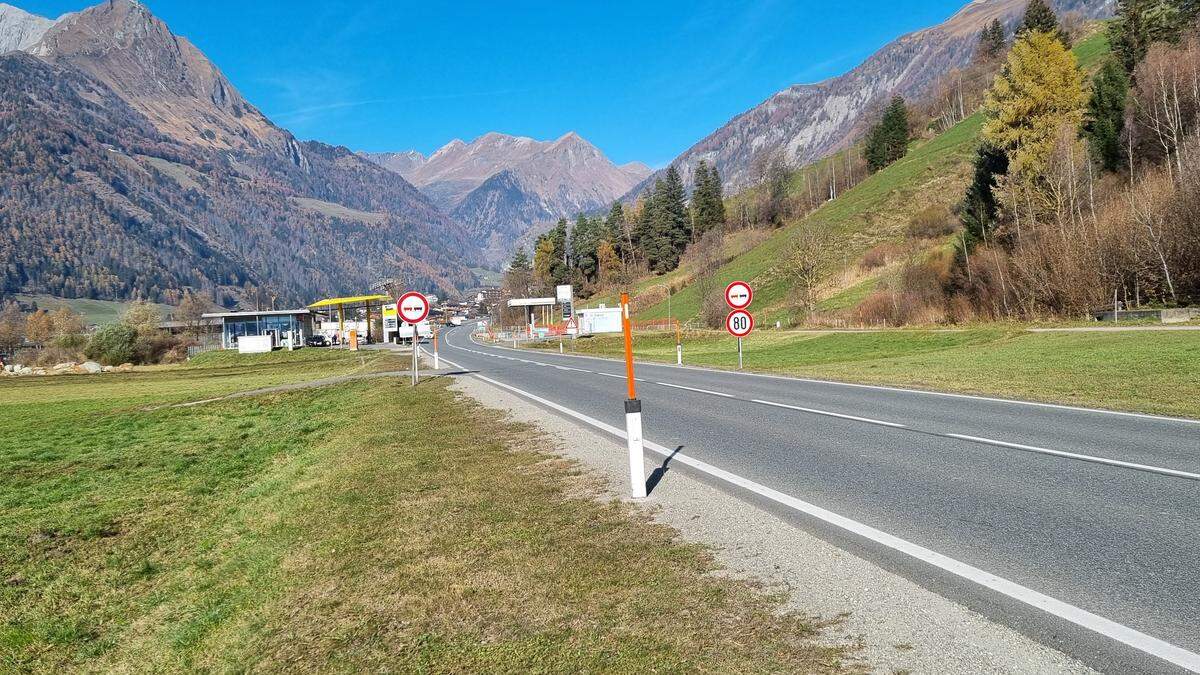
x=873, y=211
x=1154, y=372
x=99, y=312
x=360, y=527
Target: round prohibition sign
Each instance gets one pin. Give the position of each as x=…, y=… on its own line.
x=739, y=295
x=412, y=307
x=739, y=323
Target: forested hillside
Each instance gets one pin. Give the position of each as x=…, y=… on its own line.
x=1039, y=182
x=168, y=181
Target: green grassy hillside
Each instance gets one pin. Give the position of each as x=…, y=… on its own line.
x=877, y=210
x=99, y=312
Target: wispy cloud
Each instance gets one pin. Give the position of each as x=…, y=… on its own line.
x=306, y=114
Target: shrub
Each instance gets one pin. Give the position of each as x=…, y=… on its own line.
x=933, y=222
x=113, y=345
x=880, y=256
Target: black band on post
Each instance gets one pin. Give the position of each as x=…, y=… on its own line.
x=633, y=405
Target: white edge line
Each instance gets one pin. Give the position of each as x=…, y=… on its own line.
x=880, y=387
x=814, y=411
x=1087, y=458
x=698, y=391
x=1080, y=617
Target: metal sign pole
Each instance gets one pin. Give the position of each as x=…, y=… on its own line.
x=739, y=353
x=415, y=374
x=633, y=412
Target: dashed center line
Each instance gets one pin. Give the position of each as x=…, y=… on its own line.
x=827, y=413
x=1086, y=458
x=698, y=391
x=1163, y=471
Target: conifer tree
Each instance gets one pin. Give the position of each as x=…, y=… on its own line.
x=1039, y=92
x=585, y=237
x=520, y=260
x=673, y=220
x=560, y=267
x=708, y=205
x=645, y=234
x=1040, y=18
x=980, y=207
x=888, y=140
x=614, y=230
x=992, y=41
x=1141, y=23
x=1106, y=115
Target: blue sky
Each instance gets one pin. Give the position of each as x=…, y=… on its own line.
x=643, y=80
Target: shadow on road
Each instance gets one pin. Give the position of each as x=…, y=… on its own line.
x=658, y=474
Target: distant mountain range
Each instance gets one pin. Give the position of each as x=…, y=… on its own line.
x=499, y=186
x=130, y=166
x=808, y=121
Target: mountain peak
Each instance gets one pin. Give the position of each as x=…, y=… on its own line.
x=165, y=77
x=20, y=30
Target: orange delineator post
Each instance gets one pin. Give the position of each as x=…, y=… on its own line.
x=633, y=413
x=628, y=330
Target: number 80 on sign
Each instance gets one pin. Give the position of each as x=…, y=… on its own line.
x=739, y=323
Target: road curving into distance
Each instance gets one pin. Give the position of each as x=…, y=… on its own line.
x=1078, y=527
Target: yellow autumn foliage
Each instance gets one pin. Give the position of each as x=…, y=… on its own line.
x=1039, y=92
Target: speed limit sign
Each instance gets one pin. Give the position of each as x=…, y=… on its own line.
x=739, y=323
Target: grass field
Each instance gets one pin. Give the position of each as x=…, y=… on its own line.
x=358, y=527
x=93, y=311
x=1155, y=372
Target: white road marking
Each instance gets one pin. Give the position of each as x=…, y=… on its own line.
x=1087, y=458
x=880, y=387
x=826, y=413
x=698, y=391
x=894, y=425
x=1107, y=627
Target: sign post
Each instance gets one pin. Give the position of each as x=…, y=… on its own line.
x=633, y=412
x=413, y=308
x=739, y=323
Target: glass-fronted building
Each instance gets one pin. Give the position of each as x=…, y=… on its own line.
x=281, y=325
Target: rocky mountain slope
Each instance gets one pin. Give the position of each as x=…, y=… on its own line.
x=134, y=168
x=808, y=121
x=20, y=29
x=499, y=186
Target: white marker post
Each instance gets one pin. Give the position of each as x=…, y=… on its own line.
x=633, y=412
x=678, y=344
x=437, y=362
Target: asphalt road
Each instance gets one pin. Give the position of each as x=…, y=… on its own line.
x=1099, y=512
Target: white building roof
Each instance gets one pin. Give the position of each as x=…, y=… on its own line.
x=271, y=312
x=531, y=302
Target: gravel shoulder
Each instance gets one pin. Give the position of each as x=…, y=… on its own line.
x=901, y=626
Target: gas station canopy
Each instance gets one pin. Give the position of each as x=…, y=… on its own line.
x=353, y=300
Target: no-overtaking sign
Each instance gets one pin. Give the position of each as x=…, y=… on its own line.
x=413, y=307
x=739, y=295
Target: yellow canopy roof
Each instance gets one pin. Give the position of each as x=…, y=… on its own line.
x=334, y=302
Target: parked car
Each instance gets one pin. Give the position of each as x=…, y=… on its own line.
x=316, y=341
